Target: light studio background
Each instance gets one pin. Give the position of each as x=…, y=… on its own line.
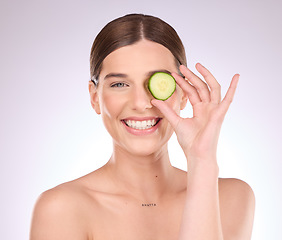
x=50, y=134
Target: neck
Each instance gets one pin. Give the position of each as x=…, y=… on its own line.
x=147, y=178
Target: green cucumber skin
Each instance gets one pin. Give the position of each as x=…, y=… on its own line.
x=152, y=90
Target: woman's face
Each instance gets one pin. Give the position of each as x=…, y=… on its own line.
x=124, y=101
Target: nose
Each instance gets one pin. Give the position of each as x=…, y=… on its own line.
x=141, y=99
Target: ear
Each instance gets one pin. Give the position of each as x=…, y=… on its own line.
x=94, y=99
x=184, y=99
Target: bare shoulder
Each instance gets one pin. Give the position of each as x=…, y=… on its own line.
x=56, y=215
x=235, y=186
x=60, y=197
x=237, y=206
x=62, y=212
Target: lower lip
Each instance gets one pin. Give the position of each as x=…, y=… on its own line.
x=141, y=132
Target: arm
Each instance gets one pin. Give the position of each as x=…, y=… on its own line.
x=198, y=137
x=201, y=216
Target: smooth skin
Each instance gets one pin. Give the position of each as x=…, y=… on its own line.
x=107, y=203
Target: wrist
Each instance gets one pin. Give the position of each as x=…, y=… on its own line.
x=200, y=156
x=207, y=166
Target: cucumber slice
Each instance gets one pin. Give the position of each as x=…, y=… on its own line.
x=161, y=85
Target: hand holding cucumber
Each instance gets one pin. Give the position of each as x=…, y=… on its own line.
x=198, y=136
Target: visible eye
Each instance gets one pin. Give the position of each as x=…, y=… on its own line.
x=119, y=85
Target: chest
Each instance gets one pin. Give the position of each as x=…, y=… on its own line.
x=127, y=220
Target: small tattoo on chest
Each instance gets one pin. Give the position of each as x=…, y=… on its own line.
x=149, y=204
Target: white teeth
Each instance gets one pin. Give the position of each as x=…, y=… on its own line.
x=141, y=125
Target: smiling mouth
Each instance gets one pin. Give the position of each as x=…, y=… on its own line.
x=141, y=125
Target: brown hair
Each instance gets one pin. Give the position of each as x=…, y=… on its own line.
x=128, y=30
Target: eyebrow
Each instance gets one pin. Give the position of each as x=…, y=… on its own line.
x=122, y=75
x=117, y=75
x=160, y=70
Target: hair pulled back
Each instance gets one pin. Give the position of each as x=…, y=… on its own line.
x=128, y=30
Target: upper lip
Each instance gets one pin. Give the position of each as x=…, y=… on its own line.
x=140, y=118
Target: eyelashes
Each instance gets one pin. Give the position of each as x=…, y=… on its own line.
x=125, y=84
x=119, y=85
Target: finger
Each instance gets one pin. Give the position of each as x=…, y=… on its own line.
x=168, y=113
x=227, y=100
x=215, y=87
x=199, y=84
x=191, y=91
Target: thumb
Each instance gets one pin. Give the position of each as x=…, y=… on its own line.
x=168, y=113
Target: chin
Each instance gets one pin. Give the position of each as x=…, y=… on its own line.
x=145, y=147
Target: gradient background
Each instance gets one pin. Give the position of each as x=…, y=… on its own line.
x=50, y=134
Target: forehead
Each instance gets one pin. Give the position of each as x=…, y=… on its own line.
x=139, y=58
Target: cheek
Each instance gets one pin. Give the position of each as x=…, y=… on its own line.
x=111, y=105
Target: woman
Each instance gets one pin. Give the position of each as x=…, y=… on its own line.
x=138, y=194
